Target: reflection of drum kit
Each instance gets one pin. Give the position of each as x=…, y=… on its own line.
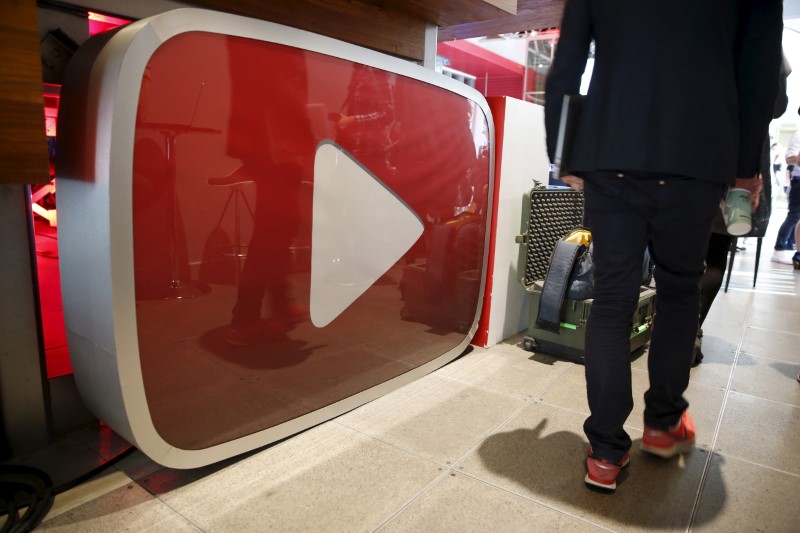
x=451, y=247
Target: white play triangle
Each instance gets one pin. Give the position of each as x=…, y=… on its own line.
x=360, y=229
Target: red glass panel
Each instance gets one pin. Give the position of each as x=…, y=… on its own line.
x=223, y=183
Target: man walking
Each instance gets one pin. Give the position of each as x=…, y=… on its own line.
x=677, y=110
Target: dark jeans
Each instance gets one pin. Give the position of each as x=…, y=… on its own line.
x=785, y=240
x=626, y=213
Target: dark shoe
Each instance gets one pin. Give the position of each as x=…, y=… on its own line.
x=796, y=261
x=602, y=474
x=698, y=349
x=670, y=442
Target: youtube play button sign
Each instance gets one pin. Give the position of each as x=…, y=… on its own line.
x=261, y=228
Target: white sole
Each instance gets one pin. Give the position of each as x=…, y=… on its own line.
x=613, y=486
x=590, y=481
x=667, y=453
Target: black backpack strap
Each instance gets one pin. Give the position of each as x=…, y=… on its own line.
x=555, y=285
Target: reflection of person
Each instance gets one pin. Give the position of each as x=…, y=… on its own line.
x=785, y=241
x=720, y=242
x=268, y=133
x=364, y=126
x=663, y=131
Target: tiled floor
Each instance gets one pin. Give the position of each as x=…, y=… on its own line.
x=493, y=442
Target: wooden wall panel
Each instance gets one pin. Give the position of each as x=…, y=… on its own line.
x=531, y=15
x=367, y=24
x=393, y=26
x=451, y=12
x=23, y=144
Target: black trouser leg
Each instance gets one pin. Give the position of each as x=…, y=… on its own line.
x=674, y=216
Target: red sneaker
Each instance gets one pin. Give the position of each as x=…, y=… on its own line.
x=671, y=442
x=603, y=474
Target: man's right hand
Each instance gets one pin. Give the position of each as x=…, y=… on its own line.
x=573, y=181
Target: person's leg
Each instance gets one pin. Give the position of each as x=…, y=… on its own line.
x=783, y=241
x=619, y=235
x=716, y=262
x=794, y=211
x=679, y=237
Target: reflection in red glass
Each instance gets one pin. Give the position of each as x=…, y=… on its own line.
x=236, y=185
x=99, y=23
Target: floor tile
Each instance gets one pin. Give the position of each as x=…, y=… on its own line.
x=514, y=371
x=759, y=431
x=441, y=423
x=772, y=344
x=775, y=320
x=778, y=302
x=718, y=356
x=741, y=496
x=378, y=408
x=540, y=454
x=460, y=503
x=473, y=357
x=730, y=307
x=105, y=482
x=569, y=391
x=127, y=508
x=721, y=336
x=767, y=378
x=328, y=478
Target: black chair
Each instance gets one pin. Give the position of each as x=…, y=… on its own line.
x=734, y=242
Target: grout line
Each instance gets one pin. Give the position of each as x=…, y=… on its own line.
x=715, y=435
x=739, y=393
x=768, y=358
x=534, y=500
x=512, y=395
x=530, y=401
x=393, y=445
x=772, y=468
x=435, y=481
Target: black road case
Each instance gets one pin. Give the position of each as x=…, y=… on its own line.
x=548, y=215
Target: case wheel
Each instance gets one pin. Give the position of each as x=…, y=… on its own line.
x=529, y=344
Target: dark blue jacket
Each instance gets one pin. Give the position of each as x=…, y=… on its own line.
x=680, y=87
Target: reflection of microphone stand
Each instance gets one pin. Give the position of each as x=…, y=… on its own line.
x=177, y=287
